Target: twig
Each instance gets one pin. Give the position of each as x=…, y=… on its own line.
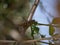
x=29, y=41
x=44, y=42
x=37, y=40
x=7, y=41
x=33, y=10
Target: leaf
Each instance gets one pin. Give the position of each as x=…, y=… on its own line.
x=34, y=29
x=32, y=32
x=56, y=20
x=51, y=30
x=35, y=22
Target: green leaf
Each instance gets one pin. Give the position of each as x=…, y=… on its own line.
x=32, y=30
x=51, y=30
x=33, y=27
x=35, y=22
x=36, y=29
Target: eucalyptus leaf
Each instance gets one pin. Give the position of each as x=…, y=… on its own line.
x=51, y=30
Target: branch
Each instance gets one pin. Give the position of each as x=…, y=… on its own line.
x=33, y=10
x=44, y=42
x=54, y=25
x=7, y=41
x=37, y=40
x=29, y=41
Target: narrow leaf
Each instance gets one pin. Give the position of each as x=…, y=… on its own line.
x=51, y=30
